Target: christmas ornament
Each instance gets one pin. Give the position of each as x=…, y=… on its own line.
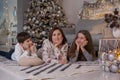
x=106, y=69
x=103, y=56
x=114, y=68
x=111, y=57
x=110, y=61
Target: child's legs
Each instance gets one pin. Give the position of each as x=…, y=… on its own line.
x=7, y=54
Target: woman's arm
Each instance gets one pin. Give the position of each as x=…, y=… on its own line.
x=62, y=57
x=48, y=52
x=64, y=50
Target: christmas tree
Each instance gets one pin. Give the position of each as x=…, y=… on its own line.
x=41, y=16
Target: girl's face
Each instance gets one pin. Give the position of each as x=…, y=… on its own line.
x=27, y=43
x=57, y=37
x=81, y=38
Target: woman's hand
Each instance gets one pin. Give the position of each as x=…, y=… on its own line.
x=56, y=45
x=62, y=59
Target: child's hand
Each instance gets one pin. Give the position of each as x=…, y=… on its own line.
x=33, y=48
x=83, y=46
x=28, y=50
x=78, y=45
x=76, y=42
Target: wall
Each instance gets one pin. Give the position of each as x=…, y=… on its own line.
x=20, y=15
x=72, y=8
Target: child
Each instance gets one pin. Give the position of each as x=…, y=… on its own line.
x=82, y=47
x=25, y=51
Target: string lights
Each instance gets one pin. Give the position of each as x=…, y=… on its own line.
x=98, y=9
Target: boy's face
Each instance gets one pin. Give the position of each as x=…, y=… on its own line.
x=27, y=43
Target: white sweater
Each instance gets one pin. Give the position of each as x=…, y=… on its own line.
x=20, y=52
x=51, y=53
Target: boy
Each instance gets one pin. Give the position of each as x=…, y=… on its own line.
x=25, y=51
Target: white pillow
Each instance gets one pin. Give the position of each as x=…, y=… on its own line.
x=30, y=61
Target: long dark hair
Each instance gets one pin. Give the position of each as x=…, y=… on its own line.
x=89, y=47
x=57, y=28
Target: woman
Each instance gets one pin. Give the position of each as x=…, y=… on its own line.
x=55, y=48
x=82, y=47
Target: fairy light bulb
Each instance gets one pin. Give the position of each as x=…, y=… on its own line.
x=118, y=55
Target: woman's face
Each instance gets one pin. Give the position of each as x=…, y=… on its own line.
x=81, y=38
x=57, y=37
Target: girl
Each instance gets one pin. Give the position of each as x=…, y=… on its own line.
x=82, y=47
